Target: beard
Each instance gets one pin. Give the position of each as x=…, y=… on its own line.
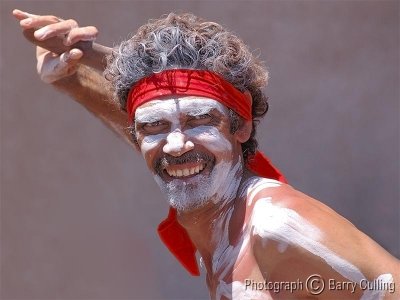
x=219, y=184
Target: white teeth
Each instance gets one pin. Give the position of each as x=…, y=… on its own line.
x=185, y=172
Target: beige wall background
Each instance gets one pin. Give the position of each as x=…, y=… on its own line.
x=78, y=207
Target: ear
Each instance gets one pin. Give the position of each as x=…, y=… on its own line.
x=131, y=138
x=243, y=133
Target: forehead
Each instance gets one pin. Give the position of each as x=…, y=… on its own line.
x=172, y=107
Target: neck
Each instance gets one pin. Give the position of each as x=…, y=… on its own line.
x=215, y=226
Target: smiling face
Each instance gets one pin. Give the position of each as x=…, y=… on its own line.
x=187, y=145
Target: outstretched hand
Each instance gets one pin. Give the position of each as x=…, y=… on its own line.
x=51, y=66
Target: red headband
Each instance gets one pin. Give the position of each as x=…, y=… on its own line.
x=189, y=83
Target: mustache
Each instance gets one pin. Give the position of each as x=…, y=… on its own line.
x=188, y=157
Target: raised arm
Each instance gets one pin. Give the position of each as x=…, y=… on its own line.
x=66, y=70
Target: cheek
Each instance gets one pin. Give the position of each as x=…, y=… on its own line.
x=150, y=143
x=210, y=138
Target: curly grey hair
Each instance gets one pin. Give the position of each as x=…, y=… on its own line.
x=185, y=41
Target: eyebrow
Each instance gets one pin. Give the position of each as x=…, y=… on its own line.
x=149, y=114
x=147, y=118
x=200, y=111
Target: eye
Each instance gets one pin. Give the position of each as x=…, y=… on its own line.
x=199, y=117
x=154, y=127
x=199, y=120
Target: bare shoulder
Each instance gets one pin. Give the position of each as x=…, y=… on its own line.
x=288, y=225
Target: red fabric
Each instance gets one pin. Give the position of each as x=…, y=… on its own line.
x=190, y=83
x=261, y=165
x=178, y=242
x=194, y=83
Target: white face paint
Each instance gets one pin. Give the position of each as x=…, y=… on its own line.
x=216, y=182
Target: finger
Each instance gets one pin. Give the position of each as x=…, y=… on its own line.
x=20, y=15
x=68, y=62
x=38, y=21
x=56, y=29
x=73, y=56
x=88, y=33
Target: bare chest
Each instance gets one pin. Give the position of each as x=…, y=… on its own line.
x=234, y=274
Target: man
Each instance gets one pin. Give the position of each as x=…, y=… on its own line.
x=192, y=92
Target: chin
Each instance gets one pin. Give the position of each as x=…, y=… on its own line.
x=219, y=184
x=187, y=205
x=185, y=195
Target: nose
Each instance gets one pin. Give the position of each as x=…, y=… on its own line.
x=177, y=144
